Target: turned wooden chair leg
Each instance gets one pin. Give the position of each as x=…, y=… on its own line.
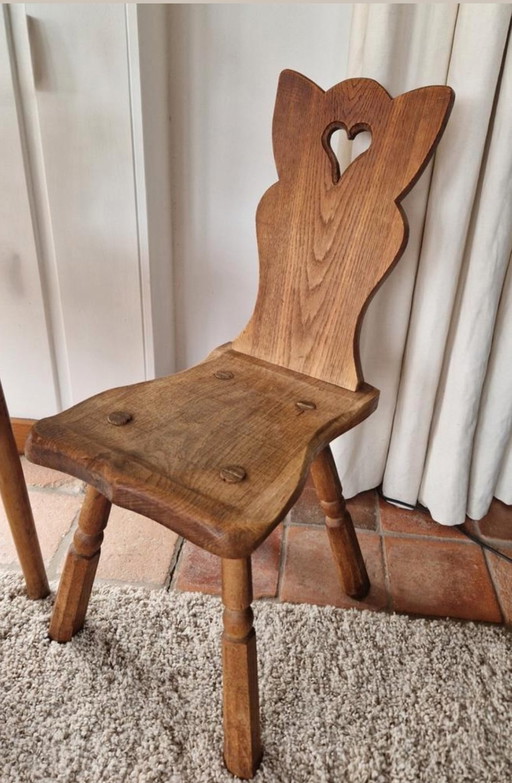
x=17, y=508
x=242, y=743
x=340, y=528
x=80, y=568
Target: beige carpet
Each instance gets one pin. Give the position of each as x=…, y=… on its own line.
x=346, y=695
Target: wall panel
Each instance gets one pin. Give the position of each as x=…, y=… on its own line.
x=79, y=55
x=26, y=362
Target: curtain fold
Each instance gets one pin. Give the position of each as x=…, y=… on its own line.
x=436, y=339
x=384, y=38
x=492, y=451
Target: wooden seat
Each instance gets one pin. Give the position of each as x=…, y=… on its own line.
x=217, y=453
x=220, y=452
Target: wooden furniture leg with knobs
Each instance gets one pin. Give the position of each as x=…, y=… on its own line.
x=242, y=743
x=80, y=568
x=340, y=528
x=13, y=490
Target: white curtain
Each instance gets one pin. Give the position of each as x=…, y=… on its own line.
x=437, y=338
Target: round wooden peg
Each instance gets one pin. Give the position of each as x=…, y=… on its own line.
x=304, y=405
x=118, y=418
x=233, y=474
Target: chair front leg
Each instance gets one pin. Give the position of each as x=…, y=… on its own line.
x=242, y=743
x=340, y=528
x=13, y=490
x=80, y=568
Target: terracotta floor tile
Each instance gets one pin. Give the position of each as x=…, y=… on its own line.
x=310, y=574
x=136, y=549
x=54, y=514
x=40, y=477
x=199, y=570
x=412, y=522
x=497, y=523
x=362, y=508
x=307, y=510
x=501, y=571
x=440, y=578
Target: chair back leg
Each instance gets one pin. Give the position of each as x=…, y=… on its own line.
x=242, y=742
x=13, y=490
x=340, y=528
x=80, y=568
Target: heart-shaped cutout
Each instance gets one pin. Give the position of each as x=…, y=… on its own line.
x=342, y=150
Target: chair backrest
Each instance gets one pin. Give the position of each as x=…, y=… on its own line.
x=326, y=242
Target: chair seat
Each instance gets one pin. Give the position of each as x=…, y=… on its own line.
x=218, y=453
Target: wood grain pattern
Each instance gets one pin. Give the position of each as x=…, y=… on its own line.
x=242, y=741
x=340, y=528
x=17, y=508
x=325, y=242
x=166, y=462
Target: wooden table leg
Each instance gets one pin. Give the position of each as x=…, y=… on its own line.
x=80, y=568
x=340, y=528
x=242, y=743
x=17, y=508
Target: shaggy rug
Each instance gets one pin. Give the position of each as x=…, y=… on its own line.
x=346, y=696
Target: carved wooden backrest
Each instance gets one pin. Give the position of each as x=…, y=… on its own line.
x=326, y=242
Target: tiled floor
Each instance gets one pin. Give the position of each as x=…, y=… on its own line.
x=415, y=565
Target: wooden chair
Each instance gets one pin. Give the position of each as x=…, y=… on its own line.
x=17, y=508
x=219, y=453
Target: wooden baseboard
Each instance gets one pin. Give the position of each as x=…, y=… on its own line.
x=21, y=428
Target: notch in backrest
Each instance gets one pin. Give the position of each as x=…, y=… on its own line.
x=326, y=242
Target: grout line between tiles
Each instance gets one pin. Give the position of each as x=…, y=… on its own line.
x=426, y=537
x=321, y=526
x=129, y=583
x=498, y=543
x=61, y=550
x=387, y=580
x=494, y=584
x=378, y=520
x=173, y=567
x=282, y=560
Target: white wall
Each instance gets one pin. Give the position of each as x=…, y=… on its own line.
x=86, y=274
x=85, y=270
x=224, y=65
x=82, y=95
x=25, y=349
